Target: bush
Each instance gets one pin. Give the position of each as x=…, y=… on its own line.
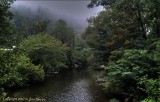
x=45, y=50
x=127, y=74
x=17, y=69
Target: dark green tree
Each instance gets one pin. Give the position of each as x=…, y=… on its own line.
x=66, y=35
x=147, y=12
x=63, y=32
x=45, y=50
x=6, y=27
x=111, y=30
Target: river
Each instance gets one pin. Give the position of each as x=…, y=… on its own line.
x=69, y=86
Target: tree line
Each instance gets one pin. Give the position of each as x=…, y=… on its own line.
x=124, y=39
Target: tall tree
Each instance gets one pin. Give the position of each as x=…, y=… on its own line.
x=147, y=12
x=66, y=35
x=6, y=27
x=112, y=29
x=63, y=32
x=41, y=23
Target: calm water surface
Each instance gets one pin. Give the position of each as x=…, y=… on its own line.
x=70, y=86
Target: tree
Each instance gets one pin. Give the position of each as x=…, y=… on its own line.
x=80, y=53
x=66, y=35
x=124, y=31
x=6, y=27
x=147, y=12
x=123, y=24
x=40, y=25
x=136, y=73
x=28, y=22
x=45, y=50
x=111, y=30
x=100, y=2
x=17, y=70
x=63, y=32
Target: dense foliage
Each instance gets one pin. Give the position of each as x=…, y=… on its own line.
x=66, y=35
x=123, y=39
x=17, y=69
x=136, y=73
x=35, y=53
x=82, y=55
x=45, y=50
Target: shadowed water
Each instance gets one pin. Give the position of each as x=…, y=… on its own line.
x=70, y=86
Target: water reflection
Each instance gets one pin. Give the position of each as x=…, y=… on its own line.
x=71, y=86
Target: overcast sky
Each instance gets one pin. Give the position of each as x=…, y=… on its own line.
x=74, y=10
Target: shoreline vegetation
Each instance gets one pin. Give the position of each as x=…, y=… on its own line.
x=123, y=41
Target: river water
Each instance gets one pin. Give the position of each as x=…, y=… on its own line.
x=70, y=86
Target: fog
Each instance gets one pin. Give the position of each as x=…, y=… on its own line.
x=74, y=12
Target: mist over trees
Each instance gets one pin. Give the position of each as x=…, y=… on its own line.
x=42, y=45
x=122, y=41
x=22, y=14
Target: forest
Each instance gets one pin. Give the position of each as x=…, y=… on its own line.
x=122, y=41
